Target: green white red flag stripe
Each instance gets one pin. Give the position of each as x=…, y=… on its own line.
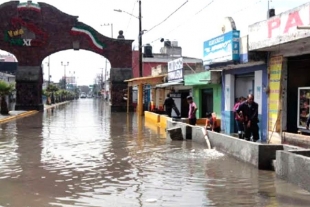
x=93, y=40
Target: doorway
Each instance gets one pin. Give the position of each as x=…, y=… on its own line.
x=184, y=104
x=244, y=85
x=206, y=101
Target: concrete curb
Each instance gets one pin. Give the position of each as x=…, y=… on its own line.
x=29, y=113
x=258, y=154
x=293, y=166
x=18, y=116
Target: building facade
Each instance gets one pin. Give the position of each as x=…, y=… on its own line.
x=288, y=85
x=158, y=64
x=206, y=92
x=248, y=76
x=174, y=85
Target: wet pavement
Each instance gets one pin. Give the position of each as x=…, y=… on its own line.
x=80, y=154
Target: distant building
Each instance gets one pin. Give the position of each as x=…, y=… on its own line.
x=8, y=64
x=9, y=78
x=156, y=64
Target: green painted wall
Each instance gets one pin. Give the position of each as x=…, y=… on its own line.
x=217, y=98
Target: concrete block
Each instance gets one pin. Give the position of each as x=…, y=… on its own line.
x=151, y=117
x=175, y=133
x=257, y=154
x=293, y=167
x=163, y=121
x=296, y=140
x=188, y=132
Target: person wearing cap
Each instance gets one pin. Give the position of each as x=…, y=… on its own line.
x=192, y=110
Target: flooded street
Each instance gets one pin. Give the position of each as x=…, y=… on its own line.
x=82, y=155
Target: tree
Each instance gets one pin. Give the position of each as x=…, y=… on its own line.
x=50, y=90
x=5, y=89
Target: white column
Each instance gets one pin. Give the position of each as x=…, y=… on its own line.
x=229, y=92
x=258, y=89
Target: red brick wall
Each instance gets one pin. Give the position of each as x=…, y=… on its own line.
x=147, y=66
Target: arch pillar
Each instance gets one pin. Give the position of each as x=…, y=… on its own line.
x=118, y=88
x=29, y=80
x=33, y=31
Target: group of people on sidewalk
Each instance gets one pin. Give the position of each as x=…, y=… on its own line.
x=245, y=111
x=246, y=117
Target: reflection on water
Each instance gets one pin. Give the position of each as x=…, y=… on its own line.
x=82, y=155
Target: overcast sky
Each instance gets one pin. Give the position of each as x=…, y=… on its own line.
x=191, y=25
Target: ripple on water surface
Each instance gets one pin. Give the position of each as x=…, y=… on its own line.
x=80, y=155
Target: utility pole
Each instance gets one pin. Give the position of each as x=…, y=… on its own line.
x=140, y=41
x=49, y=67
x=268, y=7
x=65, y=78
x=105, y=80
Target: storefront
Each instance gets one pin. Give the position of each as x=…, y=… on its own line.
x=247, y=79
x=298, y=89
x=175, y=87
x=206, y=92
x=220, y=52
x=240, y=80
x=178, y=92
x=289, y=63
x=144, y=85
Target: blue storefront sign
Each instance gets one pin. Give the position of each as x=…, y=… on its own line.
x=221, y=49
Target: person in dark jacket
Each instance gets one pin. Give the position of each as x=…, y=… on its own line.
x=168, y=105
x=249, y=109
x=308, y=122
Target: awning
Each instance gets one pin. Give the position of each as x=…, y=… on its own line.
x=237, y=66
x=164, y=85
x=150, y=80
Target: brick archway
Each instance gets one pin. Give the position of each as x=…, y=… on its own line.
x=34, y=31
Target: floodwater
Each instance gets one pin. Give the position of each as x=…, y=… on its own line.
x=82, y=155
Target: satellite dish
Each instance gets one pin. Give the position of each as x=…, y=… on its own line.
x=228, y=25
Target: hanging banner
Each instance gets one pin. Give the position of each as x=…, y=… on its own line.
x=275, y=69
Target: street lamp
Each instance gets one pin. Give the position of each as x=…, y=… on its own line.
x=106, y=61
x=65, y=65
x=140, y=36
x=101, y=78
x=119, y=10
x=71, y=79
x=109, y=24
x=48, y=67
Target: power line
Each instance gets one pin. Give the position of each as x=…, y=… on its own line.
x=134, y=5
x=186, y=20
x=238, y=11
x=204, y=7
x=244, y=8
x=168, y=16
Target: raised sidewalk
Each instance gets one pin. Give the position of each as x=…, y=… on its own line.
x=13, y=115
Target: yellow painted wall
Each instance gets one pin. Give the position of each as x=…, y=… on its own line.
x=151, y=117
x=163, y=121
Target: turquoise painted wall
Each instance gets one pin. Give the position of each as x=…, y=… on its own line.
x=217, y=98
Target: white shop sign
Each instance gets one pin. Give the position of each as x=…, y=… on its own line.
x=175, y=70
x=280, y=29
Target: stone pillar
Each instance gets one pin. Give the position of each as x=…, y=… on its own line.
x=29, y=88
x=118, y=88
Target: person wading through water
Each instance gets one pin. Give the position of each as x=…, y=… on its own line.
x=168, y=105
x=192, y=111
